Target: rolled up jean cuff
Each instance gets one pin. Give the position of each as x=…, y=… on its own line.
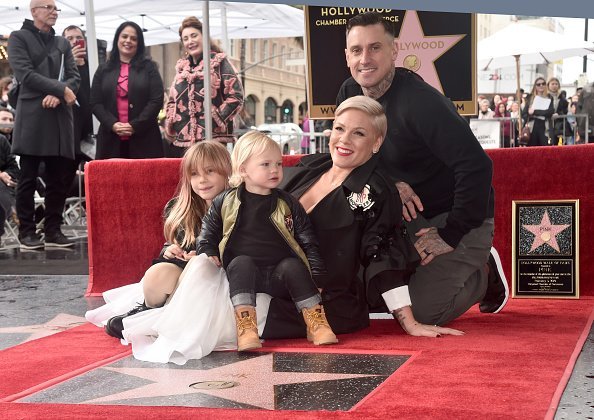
x=240, y=299
x=309, y=302
x=397, y=298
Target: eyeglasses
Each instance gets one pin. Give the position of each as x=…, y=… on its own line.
x=540, y=84
x=48, y=7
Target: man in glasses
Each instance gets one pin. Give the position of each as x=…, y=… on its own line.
x=443, y=177
x=43, y=131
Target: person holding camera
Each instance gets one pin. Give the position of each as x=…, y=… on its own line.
x=83, y=116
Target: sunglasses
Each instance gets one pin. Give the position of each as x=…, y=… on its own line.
x=48, y=7
x=540, y=84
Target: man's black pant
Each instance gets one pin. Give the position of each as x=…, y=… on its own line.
x=55, y=192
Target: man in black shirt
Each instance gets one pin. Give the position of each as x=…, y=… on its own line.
x=442, y=174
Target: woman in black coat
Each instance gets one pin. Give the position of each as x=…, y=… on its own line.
x=126, y=97
x=356, y=213
x=537, y=118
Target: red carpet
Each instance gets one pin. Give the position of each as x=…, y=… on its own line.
x=510, y=365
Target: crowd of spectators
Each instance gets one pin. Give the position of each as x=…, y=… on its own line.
x=554, y=127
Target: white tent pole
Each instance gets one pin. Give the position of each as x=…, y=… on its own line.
x=92, y=50
x=224, y=30
x=206, y=60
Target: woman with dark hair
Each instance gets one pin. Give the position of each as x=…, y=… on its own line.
x=506, y=124
x=126, y=96
x=184, y=122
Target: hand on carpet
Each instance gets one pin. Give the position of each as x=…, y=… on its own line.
x=410, y=325
x=424, y=330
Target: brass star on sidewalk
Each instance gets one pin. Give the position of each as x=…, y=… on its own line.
x=59, y=323
x=256, y=380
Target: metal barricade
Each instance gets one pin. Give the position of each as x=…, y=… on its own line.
x=566, y=137
x=570, y=136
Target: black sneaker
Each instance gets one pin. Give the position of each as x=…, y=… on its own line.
x=115, y=325
x=58, y=240
x=32, y=241
x=497, y=288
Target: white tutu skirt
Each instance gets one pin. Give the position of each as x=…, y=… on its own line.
x=197, y=320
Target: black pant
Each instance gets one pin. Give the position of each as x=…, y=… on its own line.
x=289, y=279
x=6, y=203
x=55, y=193
x=538, y=136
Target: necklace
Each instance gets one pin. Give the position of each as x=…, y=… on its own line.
x=334, y=182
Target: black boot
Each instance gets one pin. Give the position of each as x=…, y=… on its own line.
x=115, y=325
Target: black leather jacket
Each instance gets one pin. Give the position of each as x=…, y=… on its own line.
x=288, y=217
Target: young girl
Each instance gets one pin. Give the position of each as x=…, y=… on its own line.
x=263, y=238
x=205, y=171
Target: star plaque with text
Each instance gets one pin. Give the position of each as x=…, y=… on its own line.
x=545, y=252
x=439, y=46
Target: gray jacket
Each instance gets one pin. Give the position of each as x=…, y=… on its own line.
x=36, y=59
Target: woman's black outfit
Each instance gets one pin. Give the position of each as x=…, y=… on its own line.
x=359, y=243
x=539, y=118
x=145, y=99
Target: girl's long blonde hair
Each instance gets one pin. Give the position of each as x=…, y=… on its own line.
x=189, y=208
x=250, y=144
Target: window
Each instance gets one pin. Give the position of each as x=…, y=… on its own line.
x=264, y=49
x=270, y=111
x=254, y=50
x=249, y=107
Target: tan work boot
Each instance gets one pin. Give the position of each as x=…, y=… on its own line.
x=318, y=329
x=247, y=328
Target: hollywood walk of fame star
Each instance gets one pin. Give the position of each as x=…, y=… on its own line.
x=59, y=323
x=418, y=52
x=545, y=233
x=255, y=376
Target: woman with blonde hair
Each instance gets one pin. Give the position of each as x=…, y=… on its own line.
x=184, y=121
x=356, y=213
x=538, y=110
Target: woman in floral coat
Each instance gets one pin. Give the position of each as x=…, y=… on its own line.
x=184, y=122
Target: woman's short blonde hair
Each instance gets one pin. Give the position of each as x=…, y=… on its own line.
x=252, y=143
x=369, y=106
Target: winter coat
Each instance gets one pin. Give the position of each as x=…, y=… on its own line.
x=287, y=216
x=36, y=58
x=145, y=97
x=184, y=122
x=8, y=162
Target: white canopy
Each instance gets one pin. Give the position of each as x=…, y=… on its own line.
x=161, y=18
x=532, y=44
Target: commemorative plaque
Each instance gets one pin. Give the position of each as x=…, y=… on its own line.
x=545, y=251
